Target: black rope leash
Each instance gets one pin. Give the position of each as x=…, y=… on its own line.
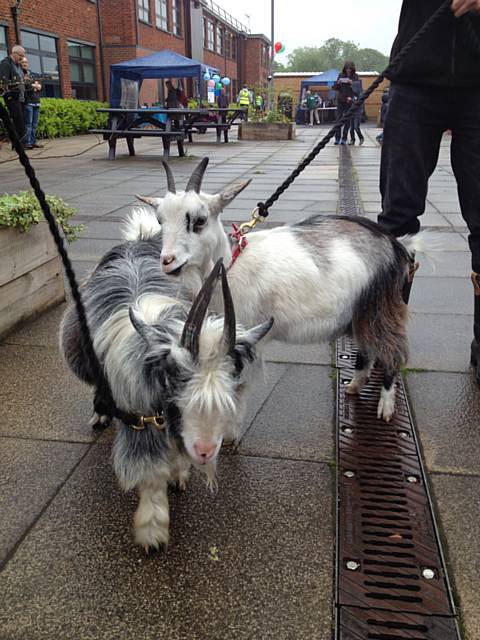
x=263, y=207
x=87, y=343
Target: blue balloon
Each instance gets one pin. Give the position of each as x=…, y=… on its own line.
x=216, y=77
x=225, y=81
x=206, y=76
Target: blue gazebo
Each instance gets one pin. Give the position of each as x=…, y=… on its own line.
x=325, y=79
x=162, y=64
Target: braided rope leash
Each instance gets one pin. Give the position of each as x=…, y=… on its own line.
x=87, y=343
x=263, y=207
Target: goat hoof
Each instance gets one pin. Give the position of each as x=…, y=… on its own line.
x=153, y=550
x=352, y=388
x=99, y=422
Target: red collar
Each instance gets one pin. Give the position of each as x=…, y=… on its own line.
x=239, y=243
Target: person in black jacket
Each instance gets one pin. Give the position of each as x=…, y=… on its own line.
x=436, y=87
x=11, y=76
x=344, y=89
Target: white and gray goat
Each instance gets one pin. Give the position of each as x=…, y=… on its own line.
x=320, y=278
x=177, y=377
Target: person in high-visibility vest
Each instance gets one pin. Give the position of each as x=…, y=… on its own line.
x=258, y=102
x=244, y=98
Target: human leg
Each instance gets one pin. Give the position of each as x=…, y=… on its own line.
x=36, y=114
x=338, y=128
x=16, y=113
x=465, y=158
x=413, y=131
x=28, y=124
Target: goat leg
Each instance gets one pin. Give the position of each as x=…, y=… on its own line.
x=363, y=366
x=152, y=518
x=386, y=404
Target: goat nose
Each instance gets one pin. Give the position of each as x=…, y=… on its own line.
x=166, y=260
x=204, y=450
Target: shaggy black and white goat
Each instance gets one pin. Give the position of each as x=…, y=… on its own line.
x=179, y=375
x=319, y=279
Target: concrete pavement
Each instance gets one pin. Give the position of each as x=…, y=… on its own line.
x=69, y=568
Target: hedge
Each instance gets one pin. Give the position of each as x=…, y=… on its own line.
x=61, y=117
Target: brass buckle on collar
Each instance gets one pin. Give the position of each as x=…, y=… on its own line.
x=156, y=421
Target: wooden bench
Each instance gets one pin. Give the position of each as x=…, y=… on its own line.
x=219, y=126
x=112, y=135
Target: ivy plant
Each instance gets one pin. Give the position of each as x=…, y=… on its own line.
x=21, y=210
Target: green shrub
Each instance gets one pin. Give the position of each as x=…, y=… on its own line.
x=22, y=209
x=61, y=117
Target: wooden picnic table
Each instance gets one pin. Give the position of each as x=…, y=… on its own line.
x=173, y=125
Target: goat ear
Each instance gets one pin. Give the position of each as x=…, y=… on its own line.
x=253, y=336
x=153, y=202
x=222, y=199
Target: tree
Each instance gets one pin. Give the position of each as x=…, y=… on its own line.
x=278, y=66
x=333, y=54
x=307, y=59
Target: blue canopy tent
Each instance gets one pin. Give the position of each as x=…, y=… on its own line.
x=324, y=79
x=162, y=64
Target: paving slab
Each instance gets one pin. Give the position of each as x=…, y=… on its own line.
x=40, y=398
x=440, y=342
x=441, y=295
x=78, y=574
x=32, y=473
x=277, y=351
x=458, y=501
x=446, y=407
x=297, y=420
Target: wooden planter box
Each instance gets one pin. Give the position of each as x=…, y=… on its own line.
x=264, y=131
x=31, y=278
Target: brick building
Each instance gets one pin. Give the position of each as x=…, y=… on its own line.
x=72, y=43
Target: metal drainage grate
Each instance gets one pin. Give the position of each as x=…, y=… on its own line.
x=391, y=582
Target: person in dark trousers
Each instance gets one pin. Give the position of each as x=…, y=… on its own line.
x=383, y=113
x=32, y=106
x=356, y=118
x=11, y=75
x=436, y=87
x=344, y=89
x=223, y=102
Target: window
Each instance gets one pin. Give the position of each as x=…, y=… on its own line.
x=204, y=32
x=161, y=14
x=210, y=35
x=219, y=40
x=42, y=59
x=234, y=47
x=144, y=10
x=176, y=17
x=82, y=71
x=228, y=44
x=3, y=43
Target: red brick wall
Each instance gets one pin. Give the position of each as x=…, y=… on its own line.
x=68, y=19
x=255, y=64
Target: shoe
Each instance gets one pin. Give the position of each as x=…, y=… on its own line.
x=343, y=142
x=362, y=140
x=351, y=142
x=28, y=146
x=37, y=146
x=337, y=142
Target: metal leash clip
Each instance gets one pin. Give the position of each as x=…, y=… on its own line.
x=255, y=218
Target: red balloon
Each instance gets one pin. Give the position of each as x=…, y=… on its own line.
x=278, y=46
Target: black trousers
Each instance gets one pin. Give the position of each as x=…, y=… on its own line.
x=417, y=117
x=341, y=110
x=16, y=111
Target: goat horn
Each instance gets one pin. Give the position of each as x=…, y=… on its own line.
x=195, y=181
x=229, y=323
x=170, y=178
x=191, y=331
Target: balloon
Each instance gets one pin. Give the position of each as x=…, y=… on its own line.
x=216, y=77
x=218, y=85
x=278, y=46
x=225, y=81
x=211, y=83
x=206, y=76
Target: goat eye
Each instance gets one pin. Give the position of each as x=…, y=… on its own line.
x=199, y=223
